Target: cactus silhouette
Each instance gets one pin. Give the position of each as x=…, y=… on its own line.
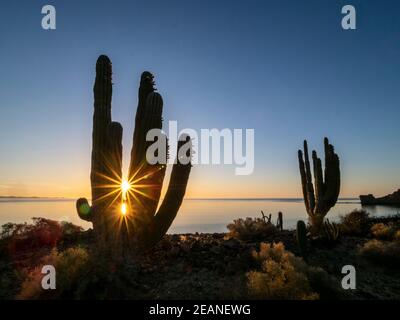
x=279, y=221
x=301, y=237
x=331, y=231
x=321, y=198
x=124, y=214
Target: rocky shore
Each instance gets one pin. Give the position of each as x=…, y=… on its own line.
x=197, y=266
x=389, y=200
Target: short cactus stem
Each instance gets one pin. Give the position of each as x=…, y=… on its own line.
x=279, y=222
x=301, y=237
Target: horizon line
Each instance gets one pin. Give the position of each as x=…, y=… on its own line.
x=199, y=198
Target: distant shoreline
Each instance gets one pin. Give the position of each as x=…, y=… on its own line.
x=189, y=199
x=260, y=199
x=33, y=197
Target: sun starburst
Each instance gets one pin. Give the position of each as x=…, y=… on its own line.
x=126, y=197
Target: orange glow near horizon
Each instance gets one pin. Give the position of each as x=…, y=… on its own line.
x=210, y=183
x=197, y=188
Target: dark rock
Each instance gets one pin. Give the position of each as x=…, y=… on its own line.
x=231, y=243
x=390, y=200
x=216, y=249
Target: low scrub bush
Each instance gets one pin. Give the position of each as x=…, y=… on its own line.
x=251, y=229
x=355, y=223
x=382, y=252
x=282, y=275
x=68, y=228
x=70, y=265
x=41, y=233
x=383, y=231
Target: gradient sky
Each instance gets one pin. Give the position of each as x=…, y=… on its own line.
x=284, y=68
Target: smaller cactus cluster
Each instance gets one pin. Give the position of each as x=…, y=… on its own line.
x=331, y=231
x=279, y=220
x=330, y=236
x=255, y=228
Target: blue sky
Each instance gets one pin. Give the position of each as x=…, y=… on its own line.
x=285, y=68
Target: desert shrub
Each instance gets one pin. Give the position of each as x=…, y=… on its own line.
x=383, y=231
x=70, y=266
x=282, y=275
x=397, y=235
x=8, y=229
x=68, y=228
x=8, y=280
x=105, y=280
x=326, y=285
x=41, y=233
x=382, y=252
x=355, y=223
x=393, y=219
x=249, y=228
x=23, y=236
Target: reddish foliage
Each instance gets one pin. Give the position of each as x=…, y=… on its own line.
x=29, y=237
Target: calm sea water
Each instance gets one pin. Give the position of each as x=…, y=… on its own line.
x=198, y=215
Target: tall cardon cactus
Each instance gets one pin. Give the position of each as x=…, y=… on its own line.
x=322, y=196
x=124, y=212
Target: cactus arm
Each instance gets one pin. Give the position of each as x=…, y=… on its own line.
x=310, y=187
x=84, y=209
x=306, y=180
x=142, y=121
x=303, y=180
x=115, y=150
x=102, y=92
x=114, y=170
x=101, y=121
x=332, y=175
x=172, y=201
x=328, y=159
x=148, y=177
x=319, y=184
x=155, y=180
